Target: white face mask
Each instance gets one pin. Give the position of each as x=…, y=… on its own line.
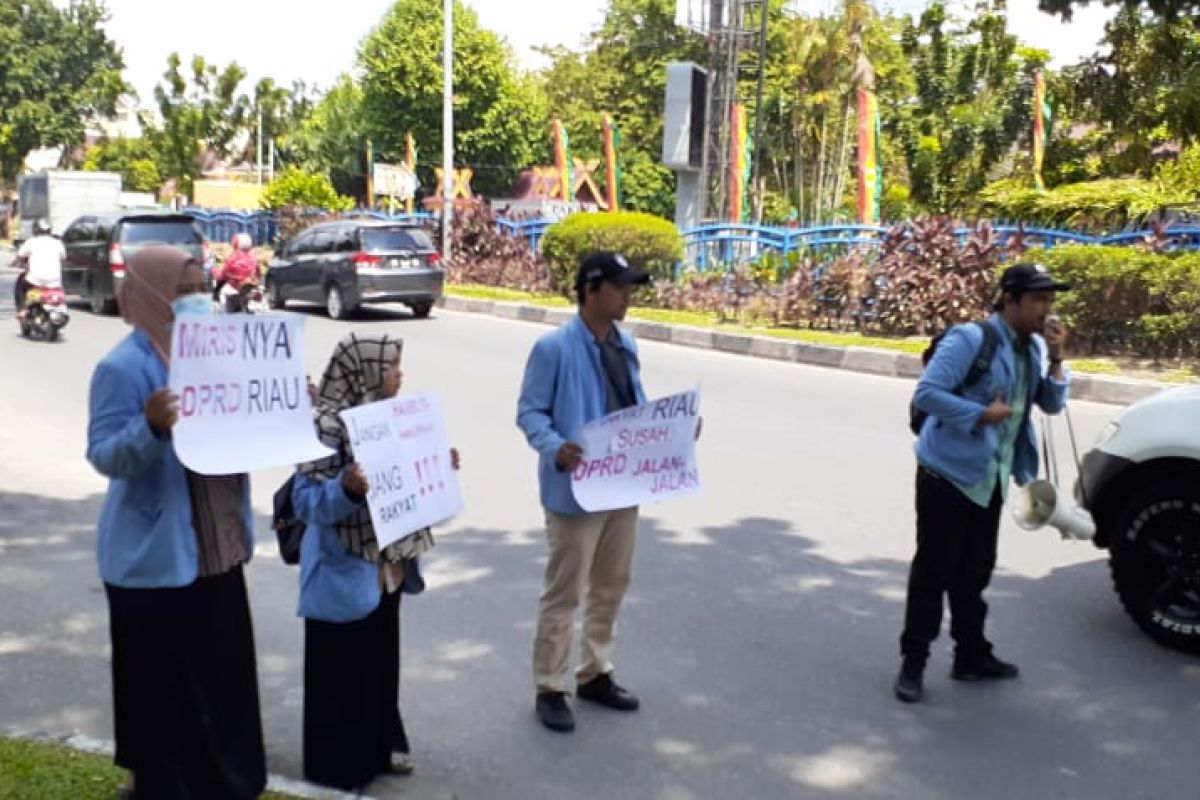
x=198, y=303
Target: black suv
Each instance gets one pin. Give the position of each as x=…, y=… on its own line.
x=345, y=264
x=98, y=247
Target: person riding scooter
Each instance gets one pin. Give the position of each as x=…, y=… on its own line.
x=238, y=273
x=41, y=258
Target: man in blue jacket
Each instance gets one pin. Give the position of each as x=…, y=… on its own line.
x=576, y=374
x=974, y=439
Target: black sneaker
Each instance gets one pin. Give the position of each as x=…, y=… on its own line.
x=553, y=711
x=603, y=690
x=988, y=668
x=910, y=683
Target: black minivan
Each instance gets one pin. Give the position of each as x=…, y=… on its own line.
x=98, y=247
x=345, y=264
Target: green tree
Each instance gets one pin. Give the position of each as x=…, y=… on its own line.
x=623, y=73
x=133, y=158
x=1165, y=8
x=295, y=187
x=58, y=69
x=501, y=126
x=1143, y=92
x=972, y=105
x=332, y=138
x=200, y=111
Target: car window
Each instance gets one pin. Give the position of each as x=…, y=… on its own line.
x=298, y=246
x=377, y=240
x=83, y=230
x=140, y=232
x=347, y=241
x=322, y=242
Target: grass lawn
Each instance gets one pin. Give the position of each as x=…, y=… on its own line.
x=44, y=771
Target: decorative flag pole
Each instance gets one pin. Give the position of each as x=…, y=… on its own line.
x=870, y=171
x=410, y=161
x=612, y=140
x=1041, y=114
x=370, y=175
x=562, y=160
x=738, y=164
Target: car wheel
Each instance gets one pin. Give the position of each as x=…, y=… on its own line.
x=335, y=306
x=100, y=304
x=275, y=298
x=422, y=309
x=1155, y=561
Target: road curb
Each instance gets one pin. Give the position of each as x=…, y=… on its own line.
x=867, y=360
x=103, y=747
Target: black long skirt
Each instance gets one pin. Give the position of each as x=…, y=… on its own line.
x=352, y=721
x=185, y=690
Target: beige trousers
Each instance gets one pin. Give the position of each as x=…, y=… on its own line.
x=591, y=557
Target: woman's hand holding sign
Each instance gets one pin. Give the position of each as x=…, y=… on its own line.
x=162, y=411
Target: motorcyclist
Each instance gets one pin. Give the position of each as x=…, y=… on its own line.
x=239, y=270
x=42, y=259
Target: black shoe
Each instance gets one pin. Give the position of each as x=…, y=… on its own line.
x=988, y=668
x=604, y=691
x=910, y=683
x=553, y=711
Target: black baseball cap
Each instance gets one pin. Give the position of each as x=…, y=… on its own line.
x=1030, y=278
x=608, y=266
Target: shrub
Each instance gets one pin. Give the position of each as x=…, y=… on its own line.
x=924, y=281
x=648, y=242
x=483, y=255
x=295, y=187
x=1127, y=299
x=1097, y=206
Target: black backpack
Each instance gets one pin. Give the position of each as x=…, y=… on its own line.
x=288, y=528
x=979, y=368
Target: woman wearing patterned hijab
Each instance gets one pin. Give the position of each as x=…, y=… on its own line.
x=171, y=546
x=350, y=589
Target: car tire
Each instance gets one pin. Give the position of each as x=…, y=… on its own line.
x=335, y=303
x=275, y=299
x=1154, y=556
x=101, y=305
x=422, y=309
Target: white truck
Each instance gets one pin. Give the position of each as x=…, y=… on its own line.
x=63, y=196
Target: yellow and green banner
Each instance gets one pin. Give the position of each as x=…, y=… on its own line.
x=1041, y=128
x=410, y=161
x=870, y=165
x=739, y=165
x=612, y=169
x=562, y=162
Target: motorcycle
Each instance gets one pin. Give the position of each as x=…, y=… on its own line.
x=46, y=313
x=249, y=298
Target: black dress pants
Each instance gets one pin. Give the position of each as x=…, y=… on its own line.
x=956, y=554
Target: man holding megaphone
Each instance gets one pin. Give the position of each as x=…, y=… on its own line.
x=976, y=435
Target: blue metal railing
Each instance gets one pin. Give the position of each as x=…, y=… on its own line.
x=718, y=245
x=263, y=226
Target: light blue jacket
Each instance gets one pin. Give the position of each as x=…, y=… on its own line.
x=146, y=537
x=953, y=442
x=563, y=390
x=335, y=585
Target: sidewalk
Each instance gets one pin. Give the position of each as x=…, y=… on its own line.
x=1093, y=388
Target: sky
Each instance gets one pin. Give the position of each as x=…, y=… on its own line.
x=315, y=41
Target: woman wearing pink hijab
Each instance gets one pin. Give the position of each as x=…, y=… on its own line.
x=171, y=547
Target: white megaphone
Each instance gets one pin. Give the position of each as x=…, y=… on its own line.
x=1040, y=504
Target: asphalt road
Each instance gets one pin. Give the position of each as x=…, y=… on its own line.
x=760, y=631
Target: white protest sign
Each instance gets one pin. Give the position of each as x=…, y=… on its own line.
x=243, y=393
x=402, y=447
x=642, y=454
